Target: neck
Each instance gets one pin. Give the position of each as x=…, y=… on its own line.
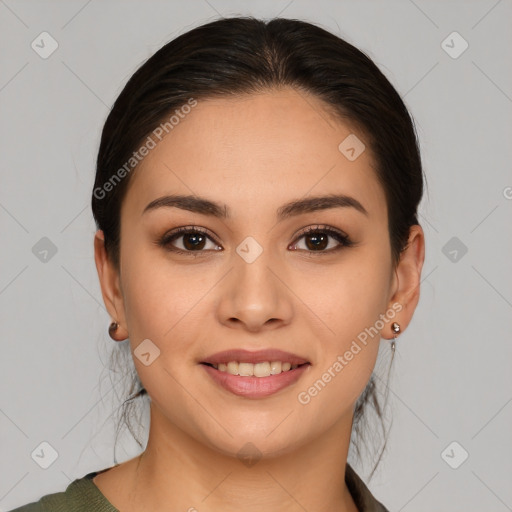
x=184, y=474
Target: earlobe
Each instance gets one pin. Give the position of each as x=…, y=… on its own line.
x=408, y=276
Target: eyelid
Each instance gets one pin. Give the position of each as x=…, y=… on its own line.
x=320, y=227
x=342, y=238
x=166, y=239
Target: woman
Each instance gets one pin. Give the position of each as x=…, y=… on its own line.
x=256, y=202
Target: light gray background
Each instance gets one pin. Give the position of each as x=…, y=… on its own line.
x=452, y=378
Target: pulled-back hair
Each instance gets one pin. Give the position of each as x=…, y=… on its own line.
x=234, y=56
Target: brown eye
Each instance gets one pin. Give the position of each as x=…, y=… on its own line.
x=317, y=239
x=193, y=241
x=188, y=240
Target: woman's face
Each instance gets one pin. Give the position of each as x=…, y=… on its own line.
x=253, y=280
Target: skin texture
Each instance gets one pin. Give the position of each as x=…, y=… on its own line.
x=253, y=153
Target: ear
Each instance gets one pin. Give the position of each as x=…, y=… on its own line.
x=110, y=284
x=408, y=277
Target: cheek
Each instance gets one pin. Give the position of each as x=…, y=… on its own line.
x=347, y=299
x=348, y=349
x=350, y=302
x=159, y=295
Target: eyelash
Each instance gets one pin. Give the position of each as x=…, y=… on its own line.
x=340, y=237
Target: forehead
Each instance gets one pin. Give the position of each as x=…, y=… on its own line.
x=257, y=151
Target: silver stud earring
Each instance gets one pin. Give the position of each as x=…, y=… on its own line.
x=396, y=329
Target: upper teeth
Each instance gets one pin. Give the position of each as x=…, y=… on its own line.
x=264, y=369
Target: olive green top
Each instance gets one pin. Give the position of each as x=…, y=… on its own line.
x=82, y=495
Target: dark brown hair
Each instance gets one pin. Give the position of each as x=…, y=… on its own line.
x=244, y=55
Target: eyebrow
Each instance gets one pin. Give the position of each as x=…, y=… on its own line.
x=205, y=206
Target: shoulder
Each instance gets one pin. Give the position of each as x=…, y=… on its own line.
x=81, y=495
x=30, y=507
x=49, y=503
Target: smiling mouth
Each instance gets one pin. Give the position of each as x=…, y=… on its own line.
x=262, y=369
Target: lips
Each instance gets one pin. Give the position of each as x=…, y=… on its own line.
x=255, y=387
x=259, y=356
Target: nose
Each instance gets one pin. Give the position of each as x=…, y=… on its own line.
x=254, y=295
